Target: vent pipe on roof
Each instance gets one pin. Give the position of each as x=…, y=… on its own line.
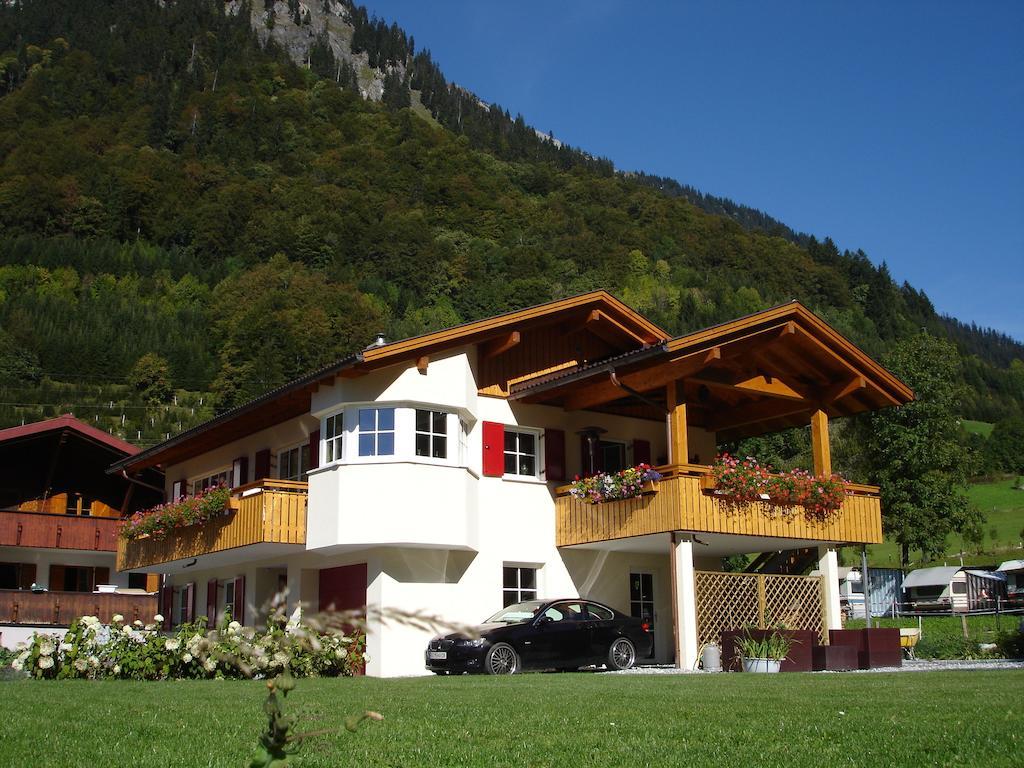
x=378, y=341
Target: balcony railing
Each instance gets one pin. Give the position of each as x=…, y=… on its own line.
x=41, y=529
x=20, y=606
x=265, y=512
x=683, y=501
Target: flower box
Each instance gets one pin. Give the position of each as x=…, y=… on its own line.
x=159, y=521
x=630, y=483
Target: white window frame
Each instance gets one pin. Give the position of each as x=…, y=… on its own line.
x=519, y=589
x=376, y=432
x=431, y=434
x=347, y=419
x=228, y=585
x=303, y=450
x=226, y=475
x=179, y=606
x=538, y=454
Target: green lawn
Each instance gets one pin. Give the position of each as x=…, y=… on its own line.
x=983, y=428
x=911, y=719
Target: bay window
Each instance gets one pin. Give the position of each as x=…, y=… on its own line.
x=376, y=431
x=431, y=434
x=414, y=433
x=331, y=437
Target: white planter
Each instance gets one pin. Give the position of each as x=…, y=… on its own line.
x=761, y=665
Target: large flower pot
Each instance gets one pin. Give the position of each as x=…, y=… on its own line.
x=765, y=666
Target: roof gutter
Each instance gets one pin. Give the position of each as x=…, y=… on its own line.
x=136, y=481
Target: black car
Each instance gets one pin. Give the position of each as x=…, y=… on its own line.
x=544, y=634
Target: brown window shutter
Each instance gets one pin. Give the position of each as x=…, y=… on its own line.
x=240, y=471
x=554, y=454
x=27, y=575
x=641, y=452
x=167, y=604
x=56, y=578
x=189, y=596
x=314, y=449
x=494, y=449
x=239, y=600
x=211, y=603
x=102, y=576
x=262, y=464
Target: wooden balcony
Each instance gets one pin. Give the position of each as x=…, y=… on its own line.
x=683, y=502
x=58, y=531
x=19, y=606
x=265, y=512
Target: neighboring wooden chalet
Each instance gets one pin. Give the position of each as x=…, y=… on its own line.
x=430, y=475
x=59, y=512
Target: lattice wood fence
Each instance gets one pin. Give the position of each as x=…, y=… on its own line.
x=736, y=600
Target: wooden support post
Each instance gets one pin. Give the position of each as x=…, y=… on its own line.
x=820, y=445
x=678, y=452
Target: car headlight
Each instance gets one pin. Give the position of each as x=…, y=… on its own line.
x=467, y=643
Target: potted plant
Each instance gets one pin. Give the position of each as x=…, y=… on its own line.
x=764, y=654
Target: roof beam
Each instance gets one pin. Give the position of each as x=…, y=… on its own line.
x=500, y=345
x=759, y=385
x=842, y=389
x=756, y=412
x=421, y=364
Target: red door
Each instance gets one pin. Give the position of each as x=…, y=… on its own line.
x=343, y=588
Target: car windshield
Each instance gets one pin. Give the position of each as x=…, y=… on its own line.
x=517, y=613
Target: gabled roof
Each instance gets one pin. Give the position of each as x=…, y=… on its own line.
x=601, y=312
x=67, y=422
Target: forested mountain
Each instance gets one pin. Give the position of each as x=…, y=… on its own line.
x=252, y=190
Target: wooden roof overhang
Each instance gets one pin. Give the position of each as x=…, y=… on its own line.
x=597, y=313
x=759, y=374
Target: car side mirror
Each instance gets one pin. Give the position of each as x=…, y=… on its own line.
x=544, y=621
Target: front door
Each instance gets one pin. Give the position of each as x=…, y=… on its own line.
x=641, y=600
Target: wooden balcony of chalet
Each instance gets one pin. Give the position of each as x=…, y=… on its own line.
x=267, y=516
x=58, y=531
x=21, y=606
x=684, y=500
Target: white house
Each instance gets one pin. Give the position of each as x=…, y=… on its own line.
x=428, y=475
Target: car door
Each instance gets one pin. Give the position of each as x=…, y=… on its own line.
x=559, y=637
x=601, y=626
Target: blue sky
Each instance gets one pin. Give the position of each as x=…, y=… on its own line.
x=897, y=128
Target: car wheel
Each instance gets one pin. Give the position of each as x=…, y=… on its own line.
x=622, y=654
x=501, y=659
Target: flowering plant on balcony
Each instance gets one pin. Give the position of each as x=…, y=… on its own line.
x=158, y=521
x=741, y=483
x=610, y=486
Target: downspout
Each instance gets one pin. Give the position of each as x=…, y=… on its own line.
x=136, y=481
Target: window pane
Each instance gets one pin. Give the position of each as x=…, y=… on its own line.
x=510, y=440
x=422, y=445
x=385, y=418
x=366, y=420
x=422, y=420
x=440, y=448
x=440, y=422
x=635, y=593
x=510, y=464
x=528, y=578
x=599, y=612
x=527, y=466
x=510, y=598
x=329, y=451
x=366, y=445
x=509, y=577
x=385, y=443
x=526, y=443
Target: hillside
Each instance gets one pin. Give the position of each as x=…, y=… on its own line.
x=250, y=199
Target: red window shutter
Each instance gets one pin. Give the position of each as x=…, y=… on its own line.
x=189, y=596
x=554, y=454
x=102, y=575
x=240, y=599
x=167, y=604
x=26, y=575
x=314, y=449
x=494, y=449
x=211, y=602
x=641, y=452
x=240, y=471
x=262, y=464
x=56, y=578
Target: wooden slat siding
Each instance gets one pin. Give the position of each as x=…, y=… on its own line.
x=540, y=352
x=276, y=515
x=57, y=531
x=681, y=504
x=61, y=608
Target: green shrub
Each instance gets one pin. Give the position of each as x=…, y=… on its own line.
x=948, y=647
x=1010, y=645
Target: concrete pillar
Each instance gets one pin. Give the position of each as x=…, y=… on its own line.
x=295, y=581
x=684, y=602
x=828, y=566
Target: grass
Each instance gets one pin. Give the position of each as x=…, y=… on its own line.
x=983, y=428
x=912, y=719
x=1003, y=509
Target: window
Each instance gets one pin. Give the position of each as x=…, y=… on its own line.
x=229, y=597
x=518, y=584
x=293, y=463
x=613, y=456
x=333, y=430
x=520, y=453
x=181, y=596
x=432, y=434
x=959, y=587
x=223, y=477
x=599, y=612
x=136, y=581
x=376, y=431
x=565, y=612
